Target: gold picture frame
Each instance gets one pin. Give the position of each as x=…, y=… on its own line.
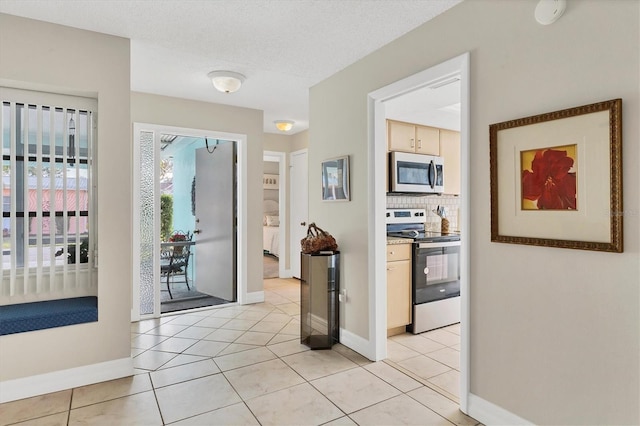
x=556, y=179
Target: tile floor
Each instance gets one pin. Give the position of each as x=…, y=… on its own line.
x=244, y=365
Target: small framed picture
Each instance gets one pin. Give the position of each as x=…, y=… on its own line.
x=335, y=179
x=270, y=181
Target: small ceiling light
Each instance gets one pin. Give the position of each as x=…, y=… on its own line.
x=226, y=81
x=549, y=11
x=284, y=125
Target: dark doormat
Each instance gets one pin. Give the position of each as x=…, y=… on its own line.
x=191, y=303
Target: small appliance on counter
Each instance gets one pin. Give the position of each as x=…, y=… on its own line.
x=435, y=281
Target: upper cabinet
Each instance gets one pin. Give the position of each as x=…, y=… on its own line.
x=450, y=151
x=407, y=137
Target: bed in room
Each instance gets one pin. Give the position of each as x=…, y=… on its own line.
x=271, y=228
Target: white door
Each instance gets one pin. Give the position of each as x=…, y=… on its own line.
x=215, y=234
x=299, y=178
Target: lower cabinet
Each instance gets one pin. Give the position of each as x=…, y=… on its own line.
x=398, y=286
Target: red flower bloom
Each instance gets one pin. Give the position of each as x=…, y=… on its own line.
x=550, y=183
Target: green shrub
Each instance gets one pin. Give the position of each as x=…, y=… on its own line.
x=166, y=216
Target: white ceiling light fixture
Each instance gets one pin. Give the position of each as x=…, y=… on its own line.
x=226, y=81
x=284, y=125
x=549, y=11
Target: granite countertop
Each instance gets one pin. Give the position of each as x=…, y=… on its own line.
x=399, y=240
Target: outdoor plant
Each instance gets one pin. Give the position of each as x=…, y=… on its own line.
x=166, y=216
x=71, y=252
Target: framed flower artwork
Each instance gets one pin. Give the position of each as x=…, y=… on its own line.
x=556, y=178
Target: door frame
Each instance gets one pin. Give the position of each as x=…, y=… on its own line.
x=377, y=206
x=241, y=244
x=280, y=158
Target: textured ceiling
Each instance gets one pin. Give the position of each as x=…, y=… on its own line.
x=283, y=47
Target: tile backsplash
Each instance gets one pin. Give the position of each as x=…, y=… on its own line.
x=451, y=203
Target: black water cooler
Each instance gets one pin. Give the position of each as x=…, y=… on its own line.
x=319, y=306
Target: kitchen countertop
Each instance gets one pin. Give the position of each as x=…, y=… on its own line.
x=399, y=240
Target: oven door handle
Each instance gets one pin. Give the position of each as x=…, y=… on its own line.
x=439, y=245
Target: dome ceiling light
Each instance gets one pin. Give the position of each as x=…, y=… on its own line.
x=226, y=81
x=284, y=125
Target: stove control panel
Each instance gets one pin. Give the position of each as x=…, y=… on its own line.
x=406, y=216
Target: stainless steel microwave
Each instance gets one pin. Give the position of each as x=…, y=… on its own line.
x=415, y=173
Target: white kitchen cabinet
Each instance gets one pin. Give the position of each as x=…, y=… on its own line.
x=398, y=286
x=450, y=151
x=407, y=137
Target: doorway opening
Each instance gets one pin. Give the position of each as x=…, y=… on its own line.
x=274, y=217
x=459, y=68
x=192, y=259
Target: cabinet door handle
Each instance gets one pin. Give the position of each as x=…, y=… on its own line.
x=391, y=269
x=413, y=143
x=419, y=143
x=392, y=252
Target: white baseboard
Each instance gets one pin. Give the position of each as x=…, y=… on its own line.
x=254, y=297
x=11, y=390
x=356, y=343
x=491, y=414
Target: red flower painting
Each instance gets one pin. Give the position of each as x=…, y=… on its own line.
x=549, y=179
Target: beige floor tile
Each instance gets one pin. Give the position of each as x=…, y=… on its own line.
x=59, y=419
x=297, y=405
x=397, y=352
x=290, y=308
x=424, y=366
x=222, y=335
x=269, y=326
x=252, y=315
x=182, y=373
x=213, y=322
x=175, y=344
x=449, y=381
x=275, y=299
x=288, y=347
x=136, y=352
x=292, y=328
x=147, y=341
x=206, y=348
x=417, y=343
x=441, y=405
x=315, y=364
x=105, y=391
x=342, y=421
x=262, y=378
x=392, y=376
x=195, y=397
x=351, y=354
x=277, y=317
x=183, y=359
x=244, y=358
x=168, y=330
x=400, y=410
x=195, y=332
x=186, y=319
x=279, y=338
x=455, y=329
x=38, y=406
x=138, y=409
x=152, y=360
x=255, y=338
x=456, y=347
x=443, y=337
x=236, y=347
x=239, y=324
x=447, y=356
x=354, y=389
x=237, y=414
x=145, y=325
x=228, y=313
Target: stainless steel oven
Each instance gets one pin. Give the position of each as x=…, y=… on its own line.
x=435, y=277
x=436, y=283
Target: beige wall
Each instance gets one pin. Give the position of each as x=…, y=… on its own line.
x=162, y=110
x=44, y=56
x=554, y=332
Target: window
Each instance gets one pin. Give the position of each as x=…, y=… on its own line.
x=47, y=190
